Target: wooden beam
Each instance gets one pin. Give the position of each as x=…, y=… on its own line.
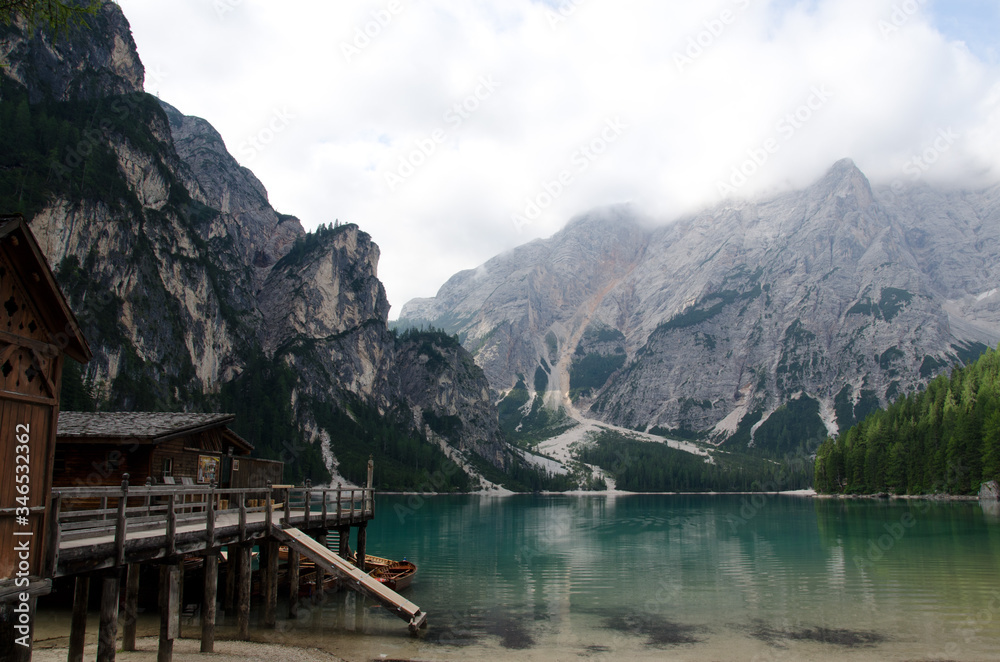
x=121, y=524
x=180, y=596
x=243, y=581
x=78, y=626
x=229, y=602
x=344, y=546
x=170, y=611
x=293, y=583
x=171, y=525
x=208, y=605
x=319, y=595
x=243, y=516
x=271, y=587
x=131, y=607
x=362, y=545
x=17, y=628
x=108, y=629
x=52, y=536
x=357, y=580
x=210, y=521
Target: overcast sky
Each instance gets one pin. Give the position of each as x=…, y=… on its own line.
x=452, y=130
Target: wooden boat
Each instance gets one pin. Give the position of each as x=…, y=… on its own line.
x=396, y=576
x=371, y=562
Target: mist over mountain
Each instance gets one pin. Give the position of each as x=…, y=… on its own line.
x=822, y=303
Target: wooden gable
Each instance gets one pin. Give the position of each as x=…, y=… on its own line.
x=37, y=329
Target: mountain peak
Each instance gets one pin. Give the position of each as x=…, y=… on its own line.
x=845, y=180
x=843, y=166
x=76, y=66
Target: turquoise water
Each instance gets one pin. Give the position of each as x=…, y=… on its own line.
x=678, y=577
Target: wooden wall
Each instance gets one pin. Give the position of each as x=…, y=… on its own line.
x=38, y=419
x=103, y=462
x=93, y=464
x=256, y=473
x=30, y=375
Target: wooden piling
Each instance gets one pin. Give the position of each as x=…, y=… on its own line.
x=108, y=632
x=243, y=593
x=362, y=545
x=270, y=578
x=344, y=548
x=131, y=607
x=208, y=605
x=12, y=637
x=78, y=626
x=229, y=601
x=180, y=598
x=319, y=595
x=293, y=583
x=170, y=611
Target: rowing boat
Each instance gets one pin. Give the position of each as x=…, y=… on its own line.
x=396, y=576
x=371, y=562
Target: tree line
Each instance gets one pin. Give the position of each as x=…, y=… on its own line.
x=642, y=466
x=944, y=439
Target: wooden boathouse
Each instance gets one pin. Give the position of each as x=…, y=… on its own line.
x=37, y=332
x=99, y=448
x=166, y=524
x=189, y=500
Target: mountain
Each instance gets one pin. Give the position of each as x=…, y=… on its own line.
x=758, y=322
x=196, y=294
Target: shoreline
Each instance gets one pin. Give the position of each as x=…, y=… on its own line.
x=806, y=494
x=189, y=650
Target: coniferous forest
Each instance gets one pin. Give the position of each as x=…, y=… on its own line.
x=942, y=440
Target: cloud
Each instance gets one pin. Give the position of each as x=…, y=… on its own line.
x=391, y=125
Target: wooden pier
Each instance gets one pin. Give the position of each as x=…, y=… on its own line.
x=102, y=531
x=107, y=532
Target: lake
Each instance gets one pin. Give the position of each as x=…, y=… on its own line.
x=610, y=577
x=654, y=577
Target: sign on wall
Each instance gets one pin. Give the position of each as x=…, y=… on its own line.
x=208, y=469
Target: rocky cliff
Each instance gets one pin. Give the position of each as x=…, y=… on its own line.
x=190, y=287
x=709, y=324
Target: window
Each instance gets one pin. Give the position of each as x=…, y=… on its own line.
x=168, y=466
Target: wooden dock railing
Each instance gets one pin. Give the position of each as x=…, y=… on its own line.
x=190, y=516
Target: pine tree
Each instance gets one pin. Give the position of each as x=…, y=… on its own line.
x=56, y=14
x=991, y=447
x=944, y=439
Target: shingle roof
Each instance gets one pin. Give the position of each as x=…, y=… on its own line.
x=135, y=425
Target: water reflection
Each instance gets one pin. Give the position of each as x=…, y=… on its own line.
x=602, y=575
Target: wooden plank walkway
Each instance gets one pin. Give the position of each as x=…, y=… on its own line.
x=139, y=525
x=361, y=581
